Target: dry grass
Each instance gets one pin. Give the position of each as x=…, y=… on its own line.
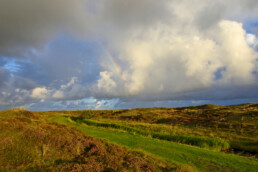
x=28, y=143
x=237, y=124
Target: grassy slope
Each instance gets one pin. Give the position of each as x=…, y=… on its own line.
x=237, y=124
x=28, y=142
x=202, y=159
x=203, y=142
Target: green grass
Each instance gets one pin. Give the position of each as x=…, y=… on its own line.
x=204, y=160
x=236, y=124
x=209, y=143
x=29, y=142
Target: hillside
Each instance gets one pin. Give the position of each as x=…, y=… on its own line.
x=237, y=124
x=29, y=142
x=196, y=138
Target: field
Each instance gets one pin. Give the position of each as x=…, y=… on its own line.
x=197, y=138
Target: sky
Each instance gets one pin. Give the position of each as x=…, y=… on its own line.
x=117, y=54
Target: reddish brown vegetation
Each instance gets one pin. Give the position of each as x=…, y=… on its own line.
x=40, y=146
x=243, y=117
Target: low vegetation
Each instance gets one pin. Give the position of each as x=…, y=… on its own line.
x=185, y=157
x=235, y=124
x=29, y=143
x=209, y=143
x=197, y=138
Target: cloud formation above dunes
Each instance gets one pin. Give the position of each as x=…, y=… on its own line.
x=127, y=50
x=181, y=63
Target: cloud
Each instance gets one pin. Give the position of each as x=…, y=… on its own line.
x=28, y=25
x=163, y=61
x=128, y=50
x=132, y=13
x=211, y=12
x=89, y=103
x=4, y=75
x=69, y=91
x=39, y=93
x=64, y=69
x=252, y=41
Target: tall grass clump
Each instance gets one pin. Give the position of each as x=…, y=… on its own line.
x=209, y=143
x=86, y=114
x=111, y=125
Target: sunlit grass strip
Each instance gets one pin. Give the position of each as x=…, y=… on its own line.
x=112, y=125
x=203, y=159
x=209, y=143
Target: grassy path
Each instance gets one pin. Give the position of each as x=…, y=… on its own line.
x=178, y=153
x=203, y=142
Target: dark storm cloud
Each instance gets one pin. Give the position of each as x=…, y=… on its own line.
x=63, y=59
x=4, y=75
x=28, y=24
x=132, y=13
x=215, y=11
